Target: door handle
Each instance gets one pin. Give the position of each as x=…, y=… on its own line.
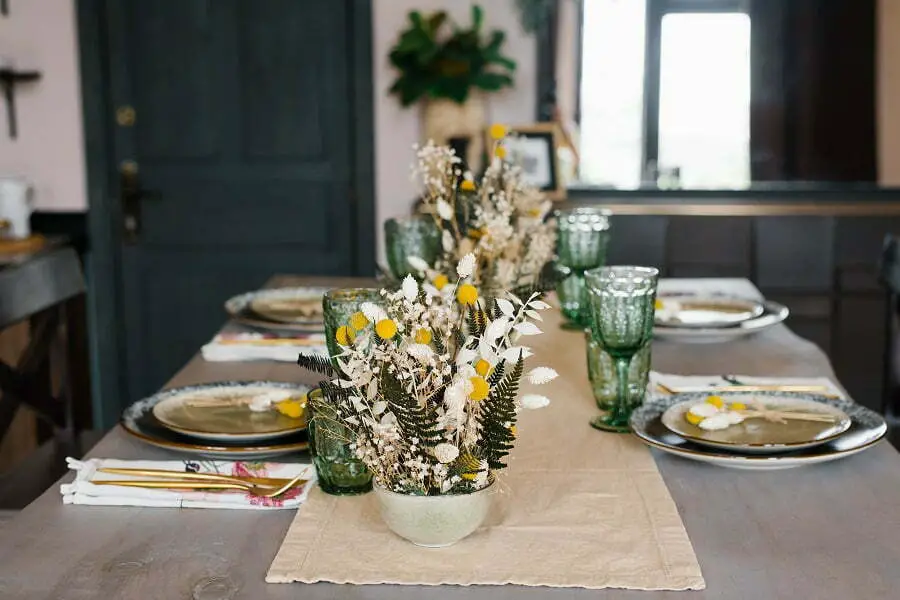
x=132, y=195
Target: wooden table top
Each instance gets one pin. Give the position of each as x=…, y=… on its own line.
x=820, y=532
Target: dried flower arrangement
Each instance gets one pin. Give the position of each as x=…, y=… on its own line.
x=428, y=382
x=500, y=220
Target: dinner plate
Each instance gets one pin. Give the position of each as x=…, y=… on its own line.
x=866, y=429
x=759, y=435
x=221, y=411
x=295, y=308
x=705, y=312
x=138, y=421
x=773, y=314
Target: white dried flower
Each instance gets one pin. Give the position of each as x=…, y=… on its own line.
x=417, y=264
x=446, y=453
x=410, y=288
x=447, y=241
x=420, y=352
x=373, y=312
x=466, y=266
x=534, y=401
x=444, y=210
x=541, y=375
x=527, y=328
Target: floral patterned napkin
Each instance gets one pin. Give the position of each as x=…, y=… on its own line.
x=82, y=491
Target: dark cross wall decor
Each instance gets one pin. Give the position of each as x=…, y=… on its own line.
x=9, y=77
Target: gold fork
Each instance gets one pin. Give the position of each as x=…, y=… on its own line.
x=257, y=489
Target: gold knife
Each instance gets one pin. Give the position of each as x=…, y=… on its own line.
x=174, y=485
x=164, y=474
x=813, y=389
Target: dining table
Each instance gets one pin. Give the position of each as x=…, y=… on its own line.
x=829, y=531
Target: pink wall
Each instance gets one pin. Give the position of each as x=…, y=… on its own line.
x=397, y=128
x=41, y=34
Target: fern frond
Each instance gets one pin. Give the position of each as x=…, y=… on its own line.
x=317, y=364
x=413, y=420
x=498, y=415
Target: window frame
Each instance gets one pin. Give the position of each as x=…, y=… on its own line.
x=656, y=10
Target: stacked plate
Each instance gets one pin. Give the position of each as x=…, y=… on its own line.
x=293, y=308
x=776, y=430
x=713, y=318
x=225, y=420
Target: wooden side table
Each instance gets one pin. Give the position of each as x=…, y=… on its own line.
x=46, y=287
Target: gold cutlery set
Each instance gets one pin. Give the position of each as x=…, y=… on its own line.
x=266, y=487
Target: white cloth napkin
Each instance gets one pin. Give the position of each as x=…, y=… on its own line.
x=227, y=347
x=82, y=491
x=678, y=382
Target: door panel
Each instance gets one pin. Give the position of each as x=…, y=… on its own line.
x=244, y=149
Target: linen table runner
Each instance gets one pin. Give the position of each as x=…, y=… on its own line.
x=576, y=508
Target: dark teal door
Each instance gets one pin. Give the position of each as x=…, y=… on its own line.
x=234, y=150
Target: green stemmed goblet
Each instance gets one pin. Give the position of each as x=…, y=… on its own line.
x=581, y=242
x=622, y=310
x=414, y=236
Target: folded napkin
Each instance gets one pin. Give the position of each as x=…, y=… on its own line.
x=82, y=491
x=678, y=382
x=247, y=346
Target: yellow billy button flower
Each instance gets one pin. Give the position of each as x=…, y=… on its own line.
x=482, y=367
x=716, y=401
x=358, y=321
x=469, y=476
x=692, y=418
x=440, y=281
x=292, y=407
x=500, y=152
x=513, y=430
x=738, y=406
x=497, y=131
x=386, y=329
x=467, y=294
x=480, y=389
x=467, y=185
x=658, y=304
x=423, y=336
x=343, y=335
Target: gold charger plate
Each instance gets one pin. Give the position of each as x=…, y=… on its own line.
x=706, y=311
x=759, y=436
x=221, y=411
x=293, y=308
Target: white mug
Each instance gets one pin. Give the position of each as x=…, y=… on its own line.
x=16, y=206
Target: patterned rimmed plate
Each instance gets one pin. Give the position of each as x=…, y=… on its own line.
x=772, y=315
x=705, y=312
x=221, y=411
x=138, y=420
x=866, y=429
x=294, y=308
x=758, y=435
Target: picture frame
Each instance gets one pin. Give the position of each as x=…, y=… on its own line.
x=534, y=148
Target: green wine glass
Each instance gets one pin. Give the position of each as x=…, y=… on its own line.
x=338, y=469
x=414, y=236
x=339, y=306
x=622, y=311
x=581, y=243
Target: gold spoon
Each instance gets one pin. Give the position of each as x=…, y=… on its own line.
x=264, y=491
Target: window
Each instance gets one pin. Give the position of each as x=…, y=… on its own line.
x=665, y=86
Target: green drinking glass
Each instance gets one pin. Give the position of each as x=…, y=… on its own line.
x=581, y=243
x=414, y=236
x=582, y=237
x=622, y=311
x=338, y=470
x=339, y=306
x=602, y=374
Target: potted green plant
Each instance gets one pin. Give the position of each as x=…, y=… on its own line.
x=448, y=68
